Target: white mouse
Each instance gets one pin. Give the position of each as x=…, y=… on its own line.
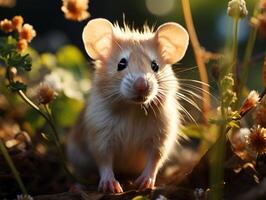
x=131, y=120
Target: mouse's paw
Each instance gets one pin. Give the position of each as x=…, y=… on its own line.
x=110, y=185
x=145, y=181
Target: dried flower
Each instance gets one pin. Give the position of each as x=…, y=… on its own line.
x=17, y=22
x=27, y=32
x=250, y=102
x=256, y=140
x=45, y=93
x=22, y=45
x=75, y=9
x=237, y=9
x=24, y=197
x=6, y=26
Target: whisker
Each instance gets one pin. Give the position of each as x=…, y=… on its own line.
x=196, y=81
x=193, y=94
x=191, y=102
x=188, y=114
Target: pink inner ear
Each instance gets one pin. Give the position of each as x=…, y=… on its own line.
x=166, y=50
x=103, y=46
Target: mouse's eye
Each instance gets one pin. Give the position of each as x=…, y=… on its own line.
x=154, y=66
x=122, y=64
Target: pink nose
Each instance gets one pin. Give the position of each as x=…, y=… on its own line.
x=141, y=85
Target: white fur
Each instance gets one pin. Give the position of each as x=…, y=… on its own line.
x=116, y=133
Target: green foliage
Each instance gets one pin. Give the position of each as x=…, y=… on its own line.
x=10, y=56
x=7, y=46
x=21, y=63
x=16, y=86
x=68, y=110
x=70, y=57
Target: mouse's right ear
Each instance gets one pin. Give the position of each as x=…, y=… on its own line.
x=97, y=38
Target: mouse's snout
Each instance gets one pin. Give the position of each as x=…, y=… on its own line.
x=141, y=86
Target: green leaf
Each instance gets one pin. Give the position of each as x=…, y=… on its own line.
x=234, y=124
x=16, y=86
x=21, y=63
x=7, y=46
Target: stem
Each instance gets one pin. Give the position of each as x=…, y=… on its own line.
x=233, y=67
x=199, y=57
x=55, y=134
x=235, y=48
x=216, y=159
x=12, y=167
x=247, y=57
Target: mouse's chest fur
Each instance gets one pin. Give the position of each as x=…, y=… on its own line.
x=127, y=127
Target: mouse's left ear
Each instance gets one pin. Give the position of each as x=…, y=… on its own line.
x=172, y=40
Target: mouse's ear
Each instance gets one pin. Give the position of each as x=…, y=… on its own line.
x=172, y=41
x=97, y=38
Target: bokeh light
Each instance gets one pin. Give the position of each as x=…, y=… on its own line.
x=159, y=7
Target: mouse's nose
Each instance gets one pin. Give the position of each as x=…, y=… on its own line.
x=141, y=86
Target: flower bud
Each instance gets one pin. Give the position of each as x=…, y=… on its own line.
x=13, y=72
x=45, y=93
x=237, y=9
x=17, y=22
x=75, y=9
x=27, y=32
x=250, y=102
x=6, y=26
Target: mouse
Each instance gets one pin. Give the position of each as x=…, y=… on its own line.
x=131, y=119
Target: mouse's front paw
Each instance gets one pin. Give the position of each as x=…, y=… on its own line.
x=145, y=181
x=110, y=185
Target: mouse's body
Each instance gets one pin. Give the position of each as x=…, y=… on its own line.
x=131, y=120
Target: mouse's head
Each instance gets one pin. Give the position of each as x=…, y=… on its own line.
x=133, y=65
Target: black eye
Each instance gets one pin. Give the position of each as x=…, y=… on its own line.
x=122, y=64
x=154, y=66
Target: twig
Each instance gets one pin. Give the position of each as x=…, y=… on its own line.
x=199, y=57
